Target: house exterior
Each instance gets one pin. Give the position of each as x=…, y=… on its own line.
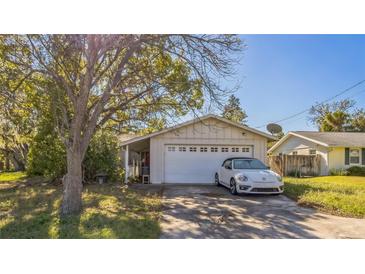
x=338, y=150
x=192, y=152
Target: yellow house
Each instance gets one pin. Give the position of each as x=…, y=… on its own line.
x=338, y=150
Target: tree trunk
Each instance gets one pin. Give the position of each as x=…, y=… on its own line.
x=7, y=160
x=72, y=184
x=16, y=160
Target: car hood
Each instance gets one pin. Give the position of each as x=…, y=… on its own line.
x=259, y=175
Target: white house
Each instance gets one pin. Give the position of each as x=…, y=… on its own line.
x=191, y=152
x=338, y=150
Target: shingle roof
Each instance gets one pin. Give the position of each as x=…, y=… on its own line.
x=335, y=139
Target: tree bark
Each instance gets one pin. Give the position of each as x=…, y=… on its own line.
x=7, y=157
x=17, y=158
x=72, y=183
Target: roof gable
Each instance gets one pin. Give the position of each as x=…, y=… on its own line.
x=251, y=130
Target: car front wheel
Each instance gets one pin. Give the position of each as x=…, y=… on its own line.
x=233, y=187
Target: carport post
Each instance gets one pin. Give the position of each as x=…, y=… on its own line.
x=126, y=166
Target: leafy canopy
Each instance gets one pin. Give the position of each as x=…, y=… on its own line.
x=338, y=116
x=233, y=110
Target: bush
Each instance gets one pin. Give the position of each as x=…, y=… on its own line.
x=102, y=156
x=356, y=171
x=47, y=156
x=293, y=173
x=296, y=173
x=338, y=172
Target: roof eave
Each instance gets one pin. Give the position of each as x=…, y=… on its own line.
x=290, y=133
x=310, y=139
x=252, y=130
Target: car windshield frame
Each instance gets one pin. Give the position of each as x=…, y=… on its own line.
x=249, y=166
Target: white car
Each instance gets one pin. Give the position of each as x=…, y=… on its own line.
x=248, y=175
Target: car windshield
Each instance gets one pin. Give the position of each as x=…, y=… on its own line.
x=248, y=164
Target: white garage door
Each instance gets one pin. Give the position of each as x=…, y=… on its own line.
x=197, y=164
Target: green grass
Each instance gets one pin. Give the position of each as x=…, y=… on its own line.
x=109, y=211
x=12, y=176
x=338, y=195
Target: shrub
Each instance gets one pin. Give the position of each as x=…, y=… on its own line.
x=102, y=156
x=338, y=172
x=293, y=173
x=47, y=156
x=356, y=171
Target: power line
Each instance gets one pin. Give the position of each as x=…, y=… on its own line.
x=347, y=98
x=325, y=101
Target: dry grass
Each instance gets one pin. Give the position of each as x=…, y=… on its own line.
x=110, y=211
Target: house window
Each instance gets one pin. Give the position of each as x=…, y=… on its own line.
x=312, y=152
x=235, y=149
x=203, y=149
x=224, y=149
x=295, y=153
x=213, y=149
x=192, y=149
x=355, y=156
x=182, y=149
x=171, y=149
x=245, y=149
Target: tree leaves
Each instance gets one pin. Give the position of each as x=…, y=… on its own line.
x=233, y=111
x=338, y=116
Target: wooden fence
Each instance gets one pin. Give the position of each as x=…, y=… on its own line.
x=296, y=165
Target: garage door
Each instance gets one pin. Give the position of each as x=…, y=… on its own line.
x=198, y=163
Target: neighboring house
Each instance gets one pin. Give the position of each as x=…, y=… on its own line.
x=191, y=152
x=338, y=150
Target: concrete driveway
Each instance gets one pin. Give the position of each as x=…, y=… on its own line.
x=211, y=212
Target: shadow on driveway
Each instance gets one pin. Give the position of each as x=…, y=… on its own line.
x=211, y=212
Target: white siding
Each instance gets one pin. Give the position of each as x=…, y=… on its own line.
x=207, y=132
x=302, y=146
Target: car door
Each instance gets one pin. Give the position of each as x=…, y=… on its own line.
x=221, y=173
x=226, y=170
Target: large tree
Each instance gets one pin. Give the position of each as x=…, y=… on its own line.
x=358, y=120
x=95, y=79
x=16, y=116
x=338, y=116
x=233, y=110
x=332, y=116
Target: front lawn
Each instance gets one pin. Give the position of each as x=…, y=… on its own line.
x=110, y=211
x=12, y=176
x=338, y=195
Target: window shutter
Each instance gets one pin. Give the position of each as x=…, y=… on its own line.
x=363, y=156
x=347, y=156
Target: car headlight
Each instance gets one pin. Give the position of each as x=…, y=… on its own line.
x=242, y=178
x=280, y=179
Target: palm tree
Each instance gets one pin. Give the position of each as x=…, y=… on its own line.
x=335, y=121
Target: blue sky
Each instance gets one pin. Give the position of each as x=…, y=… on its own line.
x=281, y=75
